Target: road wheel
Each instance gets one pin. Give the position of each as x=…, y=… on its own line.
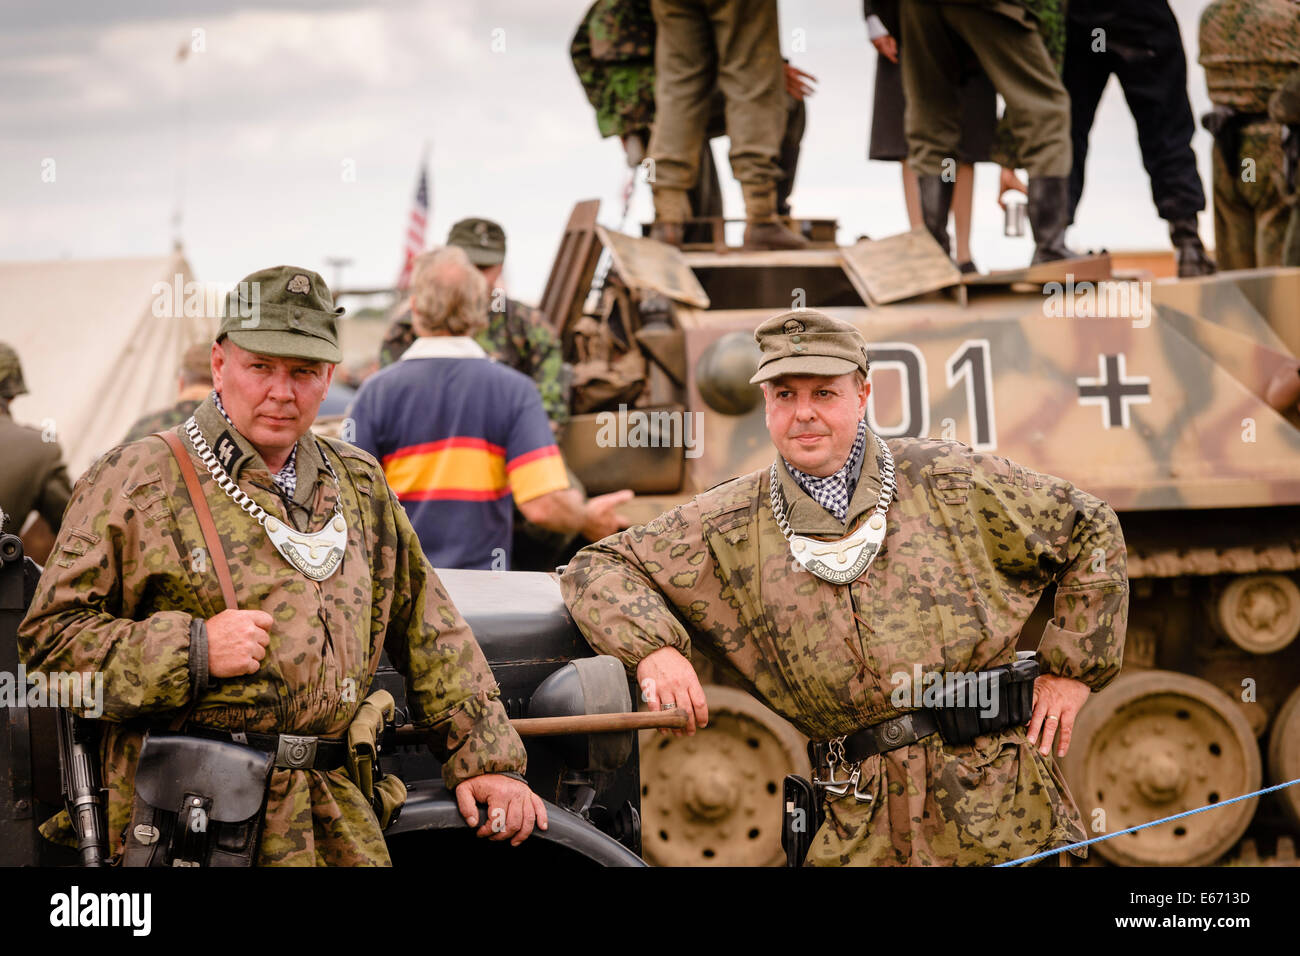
x=1284, y=755
x=714, y=799
x=1156, y=743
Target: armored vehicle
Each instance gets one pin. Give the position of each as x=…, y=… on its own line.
x=1151, y=395
x=544, y=669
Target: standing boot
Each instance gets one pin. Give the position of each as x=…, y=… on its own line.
x=936, y=201
x=1191, y=255
x=1049, y=214
x=763, y=229
x=672, y=208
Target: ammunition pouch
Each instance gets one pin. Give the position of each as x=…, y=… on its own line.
x=197, y=803
x=385, y=792
x=1009, y=688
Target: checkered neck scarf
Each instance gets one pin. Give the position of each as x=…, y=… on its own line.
x=287, y=477
x=834, y=491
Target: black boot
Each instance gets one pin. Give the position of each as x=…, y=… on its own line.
x=1191, y=255
x=936, y=200
x=1049, y=214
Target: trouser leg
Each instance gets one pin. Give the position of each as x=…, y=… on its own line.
x=1012, y=54
x=931, y=114
x=1085, y=77
x=751, y=77
x=685, y=72
x=1155, y=87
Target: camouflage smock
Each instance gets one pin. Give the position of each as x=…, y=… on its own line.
x=972, y=540
x=613, y=53
x=129, y=573
x=1248, y=47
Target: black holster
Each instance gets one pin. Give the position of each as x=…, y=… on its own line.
x=801, y=817
x=198, y=802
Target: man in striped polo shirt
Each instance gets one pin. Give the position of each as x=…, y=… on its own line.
x=459, y=435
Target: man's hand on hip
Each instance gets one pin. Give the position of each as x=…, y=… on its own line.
x=237, y=642
x=668, y=680
x=1057, y=701
x=512, y=808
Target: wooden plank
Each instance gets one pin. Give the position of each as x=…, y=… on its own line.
x=1084, y=268
x=647, y=265
x=569, y=265
x=899, y=267
x=763, y=260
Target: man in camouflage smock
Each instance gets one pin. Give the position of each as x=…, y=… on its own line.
x=1248, y=48
x=971, y=541
x=516, y=335
x=130, y=592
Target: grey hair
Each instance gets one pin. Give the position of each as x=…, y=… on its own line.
x=448, y=293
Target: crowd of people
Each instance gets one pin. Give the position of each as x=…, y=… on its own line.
x=665, y=76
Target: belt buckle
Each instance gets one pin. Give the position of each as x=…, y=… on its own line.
x=892, y=733
x=295, y=753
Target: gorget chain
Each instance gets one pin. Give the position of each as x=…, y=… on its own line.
x=845, y=559
x=318, y=554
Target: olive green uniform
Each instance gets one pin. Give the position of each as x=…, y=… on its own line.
x=33, y=476
x=1004, y=37
x=1049, y=16
x=1248, y=49
x=972, y=541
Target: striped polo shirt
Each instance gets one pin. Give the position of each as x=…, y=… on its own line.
x=458, y=436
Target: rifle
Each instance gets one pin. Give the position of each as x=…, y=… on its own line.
x=82, y=794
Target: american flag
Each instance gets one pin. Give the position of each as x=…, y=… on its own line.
x=415, y=229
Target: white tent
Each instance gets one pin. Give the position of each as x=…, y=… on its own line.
x=100, y=343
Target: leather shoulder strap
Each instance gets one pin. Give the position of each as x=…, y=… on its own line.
x=204, y=513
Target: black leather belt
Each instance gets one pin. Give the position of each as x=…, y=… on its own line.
x=292, y=752
x=885, y=736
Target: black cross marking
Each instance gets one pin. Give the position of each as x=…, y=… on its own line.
x=1113, y=391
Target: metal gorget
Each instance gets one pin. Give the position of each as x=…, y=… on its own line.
x=843, y=560
x=317, y=555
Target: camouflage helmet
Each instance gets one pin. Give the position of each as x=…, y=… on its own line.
x=11, y=373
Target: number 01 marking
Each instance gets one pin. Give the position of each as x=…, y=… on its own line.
x=971, y=362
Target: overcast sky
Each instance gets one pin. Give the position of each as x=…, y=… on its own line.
x=292, y=133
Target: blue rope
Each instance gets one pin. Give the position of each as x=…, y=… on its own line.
x=1143, y=826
